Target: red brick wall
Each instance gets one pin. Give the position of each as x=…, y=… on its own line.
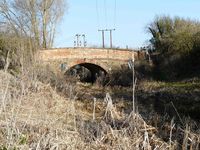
x=105, y=58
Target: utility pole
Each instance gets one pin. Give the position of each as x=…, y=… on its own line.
x=77, y=39
x=110, y=36
x=80, y=42
x=84, y=41
x=103, y=43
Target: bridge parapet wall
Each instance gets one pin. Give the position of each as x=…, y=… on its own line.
x=106, y=58
x=89, y=53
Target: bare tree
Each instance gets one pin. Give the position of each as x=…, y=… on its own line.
x=51, y=12
x=37, y=19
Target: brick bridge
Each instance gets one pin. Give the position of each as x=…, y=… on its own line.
x=94, y=59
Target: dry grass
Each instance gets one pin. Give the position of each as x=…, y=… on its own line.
x=34, y=116
x=181, y=86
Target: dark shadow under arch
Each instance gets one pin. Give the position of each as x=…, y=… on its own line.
x=95, y=71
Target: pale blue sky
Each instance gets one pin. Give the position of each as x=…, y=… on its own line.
x=131, y=19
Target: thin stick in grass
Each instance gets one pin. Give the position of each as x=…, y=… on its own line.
x=94, y=109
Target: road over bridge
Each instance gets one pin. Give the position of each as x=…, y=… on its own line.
x=94, y=59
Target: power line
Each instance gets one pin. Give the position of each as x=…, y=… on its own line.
x=105, y=16
x=105, y=9
x=106, y=21
x=115, y=13
x=97, y=12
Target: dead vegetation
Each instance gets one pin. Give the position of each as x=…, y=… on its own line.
x=34, y=116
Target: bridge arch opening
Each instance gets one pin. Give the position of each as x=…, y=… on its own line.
x=87, y=72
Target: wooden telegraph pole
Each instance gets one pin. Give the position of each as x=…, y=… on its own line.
x=103, y=41
x=110, y=30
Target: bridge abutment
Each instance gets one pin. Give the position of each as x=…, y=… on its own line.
x=61, y=60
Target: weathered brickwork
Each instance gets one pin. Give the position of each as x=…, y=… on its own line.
x=105, y=58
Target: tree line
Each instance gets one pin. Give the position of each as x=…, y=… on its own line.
x=176, y=41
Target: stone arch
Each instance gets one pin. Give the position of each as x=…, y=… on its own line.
x=95, y=69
